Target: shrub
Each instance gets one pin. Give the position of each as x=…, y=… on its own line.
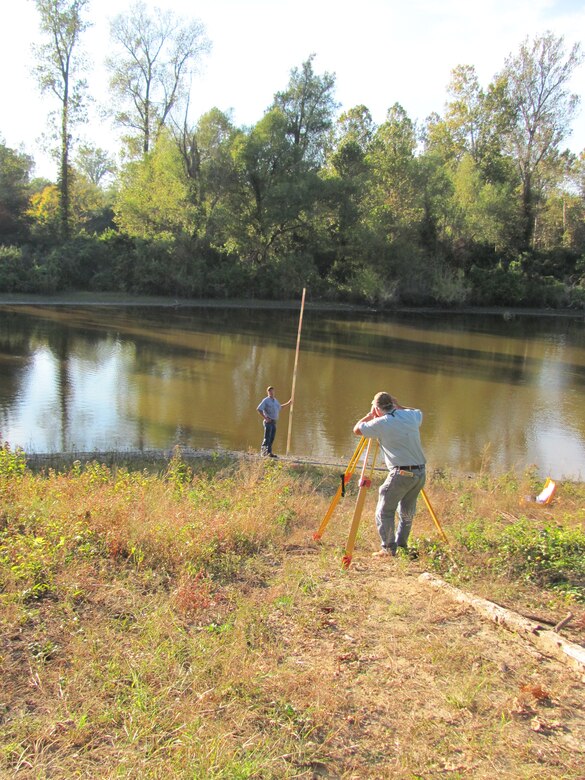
x=116, y=269
x=574, y=297
x=12, y=462
x=75, y=263
x=450, y=287
x=550, y=556
x=497, y=286
x=15, y=270
x=284, y=276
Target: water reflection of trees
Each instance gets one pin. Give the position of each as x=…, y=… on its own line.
x=197, y=375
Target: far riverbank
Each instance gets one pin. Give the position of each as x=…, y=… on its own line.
x=120, y=299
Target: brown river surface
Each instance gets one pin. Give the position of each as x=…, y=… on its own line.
x=498, y=391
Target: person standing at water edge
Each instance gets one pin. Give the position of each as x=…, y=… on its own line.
x=397, y=429
x=269, y=409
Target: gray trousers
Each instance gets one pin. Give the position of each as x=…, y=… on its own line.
x=398, y=492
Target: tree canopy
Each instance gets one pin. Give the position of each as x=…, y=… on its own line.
x=150, y=75
x=480, y=203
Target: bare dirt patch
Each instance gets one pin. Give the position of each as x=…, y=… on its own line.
x=415, y=685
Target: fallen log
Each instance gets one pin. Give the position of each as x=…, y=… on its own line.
x=546, y=641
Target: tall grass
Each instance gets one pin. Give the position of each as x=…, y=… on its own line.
x=160, y=624
x=122, y=593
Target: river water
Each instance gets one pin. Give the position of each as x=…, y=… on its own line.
x=498, y=391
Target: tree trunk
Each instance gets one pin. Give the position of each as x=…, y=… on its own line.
x=527, y=213
x=65, y=199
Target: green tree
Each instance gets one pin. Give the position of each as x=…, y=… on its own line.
x=574, y=215
x=149, y=80
x=347, y=240
x=578, y=175
x=393, y=203
x=278, y=164
x=264, y=207
x=153, y=199
x=206, y=152
x=58, y=69
x=473, y=125
x=15, y=169
x=395, y=198
x=482, y=212
x=560, y=224
x=95, y=164
x=537, y=81
x=472, y=215
x=350, y=140
x=356, y=126
x=309, y=107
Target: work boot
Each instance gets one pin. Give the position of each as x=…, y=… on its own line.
x=272, y=455
x=383, y=552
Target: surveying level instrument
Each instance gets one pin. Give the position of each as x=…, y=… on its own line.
x=364, y=484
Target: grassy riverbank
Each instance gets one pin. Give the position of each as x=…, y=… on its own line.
x=181, y=621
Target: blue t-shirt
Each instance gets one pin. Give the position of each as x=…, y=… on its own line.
x=399, y=437
x=270, y=407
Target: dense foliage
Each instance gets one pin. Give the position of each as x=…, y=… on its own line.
x=481, y=205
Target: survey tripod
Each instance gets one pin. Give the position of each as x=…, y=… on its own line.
x=363, y=448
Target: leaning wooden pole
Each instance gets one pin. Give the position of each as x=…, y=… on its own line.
x=294, y=381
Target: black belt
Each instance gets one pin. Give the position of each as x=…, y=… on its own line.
x=409, y=468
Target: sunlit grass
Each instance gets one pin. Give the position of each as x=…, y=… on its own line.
x=181, y=622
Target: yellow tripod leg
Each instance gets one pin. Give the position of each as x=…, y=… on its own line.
x=365, y=483
x=434, y=516
x=340, y=490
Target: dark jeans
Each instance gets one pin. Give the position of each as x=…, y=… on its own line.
x=269, y=434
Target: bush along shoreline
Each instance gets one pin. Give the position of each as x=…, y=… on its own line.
x=106, y=264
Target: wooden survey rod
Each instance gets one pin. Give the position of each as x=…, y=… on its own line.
x=294, y=381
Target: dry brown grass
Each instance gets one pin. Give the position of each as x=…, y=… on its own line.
x=188, y=626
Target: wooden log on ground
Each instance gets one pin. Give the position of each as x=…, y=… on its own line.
x=546, y=641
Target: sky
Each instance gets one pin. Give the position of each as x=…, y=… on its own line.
x=381, y=51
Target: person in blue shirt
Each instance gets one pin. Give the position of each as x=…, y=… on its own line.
x=269, y=409
x=397, y=429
